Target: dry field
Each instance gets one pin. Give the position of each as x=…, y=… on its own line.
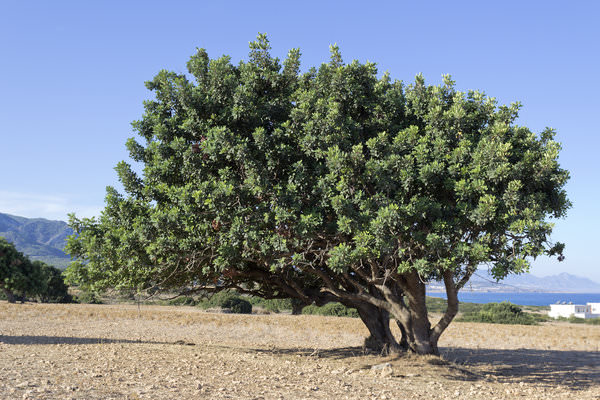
x=122, y=352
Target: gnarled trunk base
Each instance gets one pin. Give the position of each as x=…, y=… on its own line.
x=377, y=321
x=10, y=297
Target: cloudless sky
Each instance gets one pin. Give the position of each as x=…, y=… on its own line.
x=72, y=80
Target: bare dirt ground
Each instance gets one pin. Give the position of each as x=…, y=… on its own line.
x=156, y=352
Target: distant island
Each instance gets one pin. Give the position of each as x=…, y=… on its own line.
x=38, y=238
x=482, y=281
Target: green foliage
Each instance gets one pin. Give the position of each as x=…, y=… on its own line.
x=574, y=320
x=437, y=304
x=19, y=277
x=238, y=306
x=228, y=300
x=88, y=297
x=331, y=309
x=183, y=301
x=259, y=176
x=500, y=313
x=15, y=270
x=51, y=287
x=272, y=305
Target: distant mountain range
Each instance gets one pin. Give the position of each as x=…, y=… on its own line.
x=482, y=281
x=37, y=238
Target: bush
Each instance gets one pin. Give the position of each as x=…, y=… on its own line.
x=51, y=287
x=499, y=313
x=183, y=301
x=331, y=309
x=439, y=305
x=238, y=305
x=88, y=298
x=574, y=320
x=272, y=305
x=228, y=300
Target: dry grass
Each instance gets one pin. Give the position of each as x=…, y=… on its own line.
x=122, y=351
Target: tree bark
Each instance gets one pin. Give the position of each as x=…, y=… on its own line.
x=377, y=321
x=9, y=295
x=412, y=317
x=451, y=310
x=297, y=306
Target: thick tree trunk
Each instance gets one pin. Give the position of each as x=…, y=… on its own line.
x=9, y=296
x=377, y=321
x=452, y=309
x=413, y=319
x=297, y=306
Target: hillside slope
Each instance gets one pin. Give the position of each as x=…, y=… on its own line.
x=38, y=238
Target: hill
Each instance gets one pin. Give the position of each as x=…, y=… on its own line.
x=38, y=238
x=482, y=281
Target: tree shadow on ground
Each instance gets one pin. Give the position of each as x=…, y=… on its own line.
x=577, y=370
x=334, y=354
x=44, y=340
x=574, y=369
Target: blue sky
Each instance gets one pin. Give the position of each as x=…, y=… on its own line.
x=72, y=74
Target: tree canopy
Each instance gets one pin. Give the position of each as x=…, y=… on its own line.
x=335, y=184
x=22, y=278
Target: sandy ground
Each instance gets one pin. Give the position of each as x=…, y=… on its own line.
x=122, y=352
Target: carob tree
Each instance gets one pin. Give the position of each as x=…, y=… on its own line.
x=333, y=184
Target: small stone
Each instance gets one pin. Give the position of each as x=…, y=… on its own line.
x=381, y=366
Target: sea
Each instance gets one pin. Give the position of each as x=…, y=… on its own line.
x=523, y=298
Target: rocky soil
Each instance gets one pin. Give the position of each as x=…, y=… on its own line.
x=152, y=352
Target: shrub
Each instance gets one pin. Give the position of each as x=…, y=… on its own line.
x=438, y=305
x=331, y=309
x=499, y=313
x=272, y=305
x=574, y=320
x=228, y=300
x=51, y=287
x=88, y=298
x=238, y=305
x=183, y=301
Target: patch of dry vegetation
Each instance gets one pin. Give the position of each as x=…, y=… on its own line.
x=125, y=352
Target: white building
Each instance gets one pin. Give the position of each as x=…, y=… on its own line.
x=590, y=310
